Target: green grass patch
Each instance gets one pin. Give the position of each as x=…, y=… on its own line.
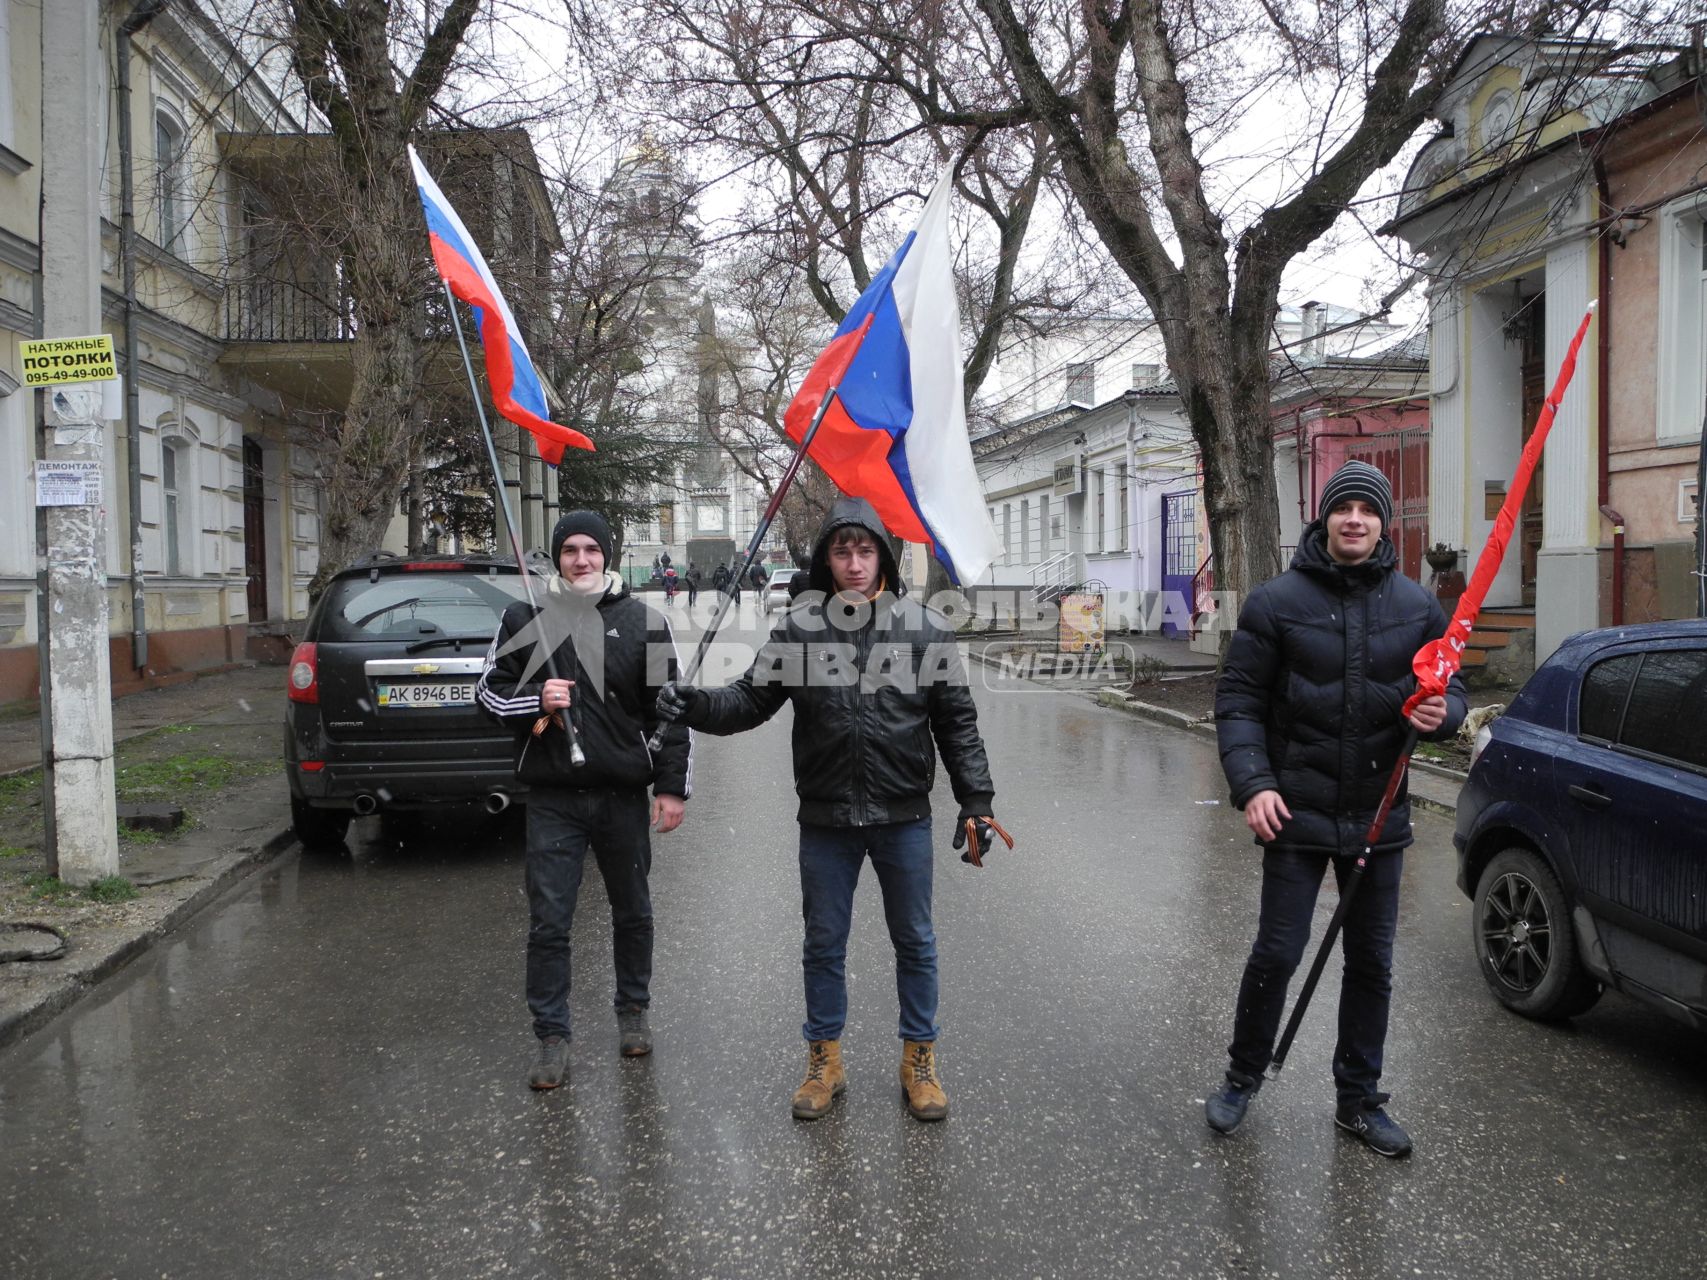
x=146, y=837
x=48, y=888
x=169, y=777
x=13, y=851
x=111, y=889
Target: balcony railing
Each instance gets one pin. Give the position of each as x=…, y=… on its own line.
x=284, y=311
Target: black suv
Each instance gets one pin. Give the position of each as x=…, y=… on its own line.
x=382, y=712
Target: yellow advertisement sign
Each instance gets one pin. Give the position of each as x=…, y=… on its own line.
x=53, y=362
x=1081, y=626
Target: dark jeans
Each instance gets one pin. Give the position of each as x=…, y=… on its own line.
x=1290, y=881
x=562, y=825
x=830, y=861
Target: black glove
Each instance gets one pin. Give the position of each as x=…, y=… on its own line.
x=984, y=825
x=675, y=701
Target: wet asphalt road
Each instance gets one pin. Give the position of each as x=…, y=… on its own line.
x=324, y=1074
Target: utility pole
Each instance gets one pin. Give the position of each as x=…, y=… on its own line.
x=77, y=680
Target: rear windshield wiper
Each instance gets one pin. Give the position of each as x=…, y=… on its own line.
x=435, y=641
x=401, y=604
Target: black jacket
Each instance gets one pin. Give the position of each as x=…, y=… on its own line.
x=1309, y=698
x=876, y=696
x=612, y=707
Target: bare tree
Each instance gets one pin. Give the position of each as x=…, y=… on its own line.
x=344, y=54
x=1141, y=97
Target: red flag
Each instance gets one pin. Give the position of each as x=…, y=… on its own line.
x=1438, y=660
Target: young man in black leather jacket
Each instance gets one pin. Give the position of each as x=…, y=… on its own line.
x=879, y=690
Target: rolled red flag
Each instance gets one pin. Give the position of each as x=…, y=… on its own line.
x=1438, y=660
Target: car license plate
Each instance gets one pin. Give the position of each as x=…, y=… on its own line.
x=425, y=693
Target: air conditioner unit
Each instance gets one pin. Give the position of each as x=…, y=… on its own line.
x=1069, y=476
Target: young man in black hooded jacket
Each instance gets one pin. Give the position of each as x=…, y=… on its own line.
x=1309, y=717
x=878, y=690
x=610, y=655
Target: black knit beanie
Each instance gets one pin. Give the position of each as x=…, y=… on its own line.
x=590, y=523
x=1359, y=480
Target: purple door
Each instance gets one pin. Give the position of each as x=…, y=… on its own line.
x=1179, y=560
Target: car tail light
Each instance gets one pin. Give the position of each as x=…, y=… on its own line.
x=304, y=681
x=1484, y=735
x=415, y=566
x=312, y=766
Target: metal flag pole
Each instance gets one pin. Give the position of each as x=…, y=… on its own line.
x=576, y=755
x=726, y=593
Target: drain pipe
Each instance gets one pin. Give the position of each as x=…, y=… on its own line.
x=1603, y=395
x=140, y=17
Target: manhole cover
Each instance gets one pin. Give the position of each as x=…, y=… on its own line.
x=30, y=942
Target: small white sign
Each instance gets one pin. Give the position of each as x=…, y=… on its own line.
x=68, y=484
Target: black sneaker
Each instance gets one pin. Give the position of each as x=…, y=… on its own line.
x=1226, y=1107
x=1364, y=1118
x=552, y=1065
x=636, y=1035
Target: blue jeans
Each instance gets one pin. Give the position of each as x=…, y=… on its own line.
x=562, y=826
x=1291, y=879
x=830, y=861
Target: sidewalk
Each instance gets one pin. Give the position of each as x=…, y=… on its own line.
x=234, y=718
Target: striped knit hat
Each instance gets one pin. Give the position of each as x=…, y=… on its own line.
x=1359, y=480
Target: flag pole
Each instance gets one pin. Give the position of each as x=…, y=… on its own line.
x=726, y=593
x=1435, y=664
x=502, y=498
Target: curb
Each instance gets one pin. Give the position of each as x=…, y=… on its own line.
x=83, y=973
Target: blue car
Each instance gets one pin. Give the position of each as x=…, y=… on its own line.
x=1582, y=830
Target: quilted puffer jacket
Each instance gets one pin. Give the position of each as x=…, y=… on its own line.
x=1309, y=698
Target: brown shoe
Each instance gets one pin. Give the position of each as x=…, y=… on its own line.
x=919, y=1085
x=825, y=1080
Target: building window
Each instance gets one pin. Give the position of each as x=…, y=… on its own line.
x=1125, y=515
x=170, y=186
x=1008, y=530
x=1024, y=530
x=171, y=508
x=1082, y=382
x=1146, y=375
x=1043, y=538
x=1101, y=539
x=1681, y=366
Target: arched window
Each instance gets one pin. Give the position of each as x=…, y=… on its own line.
x=171, y=186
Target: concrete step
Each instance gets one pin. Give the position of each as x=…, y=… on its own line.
x=1523, y=619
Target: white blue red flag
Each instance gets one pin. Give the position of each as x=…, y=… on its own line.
x=516, y=389
x=896, y=433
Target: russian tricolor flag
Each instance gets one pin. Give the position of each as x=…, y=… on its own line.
x=516, y=389
x=896, y=433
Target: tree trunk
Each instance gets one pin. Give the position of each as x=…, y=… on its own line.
x=368, y=464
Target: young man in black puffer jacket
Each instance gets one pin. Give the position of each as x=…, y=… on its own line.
x=610, y=656
x=878, y=691
x=1308, y=713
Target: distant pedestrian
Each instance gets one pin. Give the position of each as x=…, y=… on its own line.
x=671, y=581
x=758, y=578
x=1307, y=713
x=600, y=637
x=865, y=751
x=691, y=579
x=720, y=577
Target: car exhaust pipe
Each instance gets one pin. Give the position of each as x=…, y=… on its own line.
x=497, y=801
x=366, y=804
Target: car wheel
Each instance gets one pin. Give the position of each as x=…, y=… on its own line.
x=318, y=828
x=1523, y=937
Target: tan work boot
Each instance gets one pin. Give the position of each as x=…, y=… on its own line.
x=919, y=1084
x=825, y=1080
